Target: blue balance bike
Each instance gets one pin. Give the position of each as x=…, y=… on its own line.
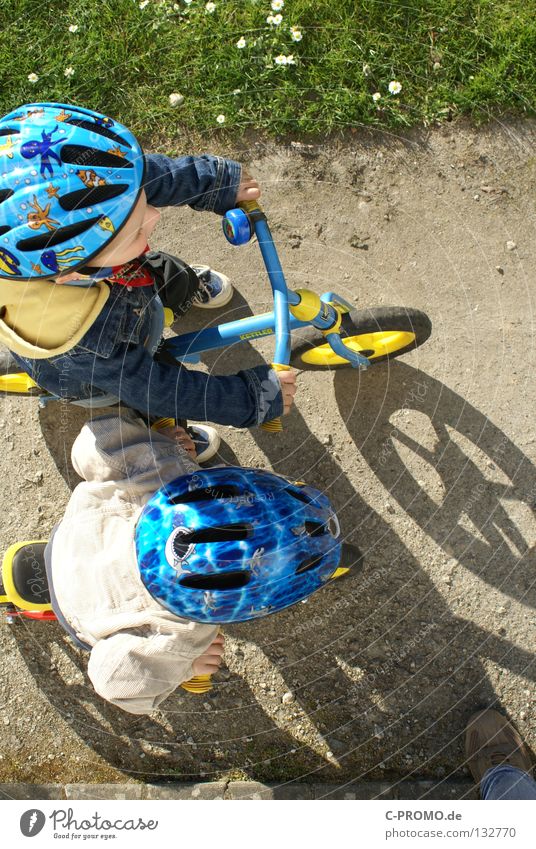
x=333, y=335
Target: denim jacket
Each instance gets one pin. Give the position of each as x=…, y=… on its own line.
x=111, y=356
x=206, y=183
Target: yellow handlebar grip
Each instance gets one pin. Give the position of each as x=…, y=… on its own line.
x=250, y=206
x=199, y=684
x=162, y=423
x=275, y=425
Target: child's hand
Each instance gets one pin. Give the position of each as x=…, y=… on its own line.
x=66, y=278
x=178, y=434
x=248, y=189
x=287, y=379
x=210, y=662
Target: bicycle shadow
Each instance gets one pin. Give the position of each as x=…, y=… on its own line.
x=477, y=481
x=427, y=665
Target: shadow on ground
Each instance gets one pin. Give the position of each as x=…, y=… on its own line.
x=382, y=669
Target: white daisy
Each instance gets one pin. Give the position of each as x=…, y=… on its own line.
x=276, y=20
x=296, y=34
x=73, y=28
x=33, y=78
x=376, y=96
x=277, y=5
x=209, y=8
x=220, y=119
x=280, y=60
x=395, y=87
x=68, y=72
x=241, y=43
x=143, y=4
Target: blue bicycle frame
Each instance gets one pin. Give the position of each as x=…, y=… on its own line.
x=188, y=347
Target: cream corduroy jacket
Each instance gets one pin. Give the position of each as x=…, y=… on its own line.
x=140, y=652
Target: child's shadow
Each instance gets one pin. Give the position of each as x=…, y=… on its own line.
x=190, y=738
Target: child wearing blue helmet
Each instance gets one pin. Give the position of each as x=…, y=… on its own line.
x=153, y=554
x=78, y=202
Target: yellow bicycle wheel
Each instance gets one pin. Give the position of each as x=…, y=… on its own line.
x=379, y=334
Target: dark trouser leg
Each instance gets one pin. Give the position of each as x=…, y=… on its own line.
x=176, y=283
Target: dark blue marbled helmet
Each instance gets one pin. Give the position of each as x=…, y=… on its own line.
x=231, y=544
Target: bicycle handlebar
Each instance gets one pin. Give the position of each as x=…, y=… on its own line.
x=276, y=275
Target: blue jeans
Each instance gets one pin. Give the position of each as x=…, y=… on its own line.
x=112, y=358
x=507, y=782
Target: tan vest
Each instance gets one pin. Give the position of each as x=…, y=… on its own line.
x=40, y=319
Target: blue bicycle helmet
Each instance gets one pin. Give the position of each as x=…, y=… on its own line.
x=69, y=179
x=231, y=544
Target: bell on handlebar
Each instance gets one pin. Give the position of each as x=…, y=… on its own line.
x=237, y=227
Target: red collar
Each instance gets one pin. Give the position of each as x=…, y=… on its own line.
x=133, y=273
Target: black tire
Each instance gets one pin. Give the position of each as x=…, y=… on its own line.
x=352, y=559
x=357, y=322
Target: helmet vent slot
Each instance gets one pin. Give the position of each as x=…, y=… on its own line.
x=5, y=194
x=94, y=127
x=307, y=565
x=9, y=131
x=218, y=533
x=90, y=157
x=315, y=529
x=4, y=230
x=90, y=197
x=299, y=496
x=64, y=234
x=222, y=581
x=209, y=493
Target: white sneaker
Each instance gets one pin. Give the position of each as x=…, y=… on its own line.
x=215, y=289
x=206, y=439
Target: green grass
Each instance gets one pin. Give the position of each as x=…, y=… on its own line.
x=451, y=57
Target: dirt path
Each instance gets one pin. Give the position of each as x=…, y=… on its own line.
x=429, y=461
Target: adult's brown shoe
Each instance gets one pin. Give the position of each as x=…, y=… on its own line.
x=491, y=740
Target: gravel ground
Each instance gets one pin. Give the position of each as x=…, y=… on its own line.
x=429, y=461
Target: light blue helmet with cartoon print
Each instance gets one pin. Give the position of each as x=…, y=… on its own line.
x=69, y=180
x=231, y=544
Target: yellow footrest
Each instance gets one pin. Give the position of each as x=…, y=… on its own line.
x=19, y=382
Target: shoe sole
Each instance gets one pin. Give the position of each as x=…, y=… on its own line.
x=211, y=450
x=215, y=306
